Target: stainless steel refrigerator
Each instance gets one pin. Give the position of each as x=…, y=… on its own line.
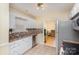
x=65, y=31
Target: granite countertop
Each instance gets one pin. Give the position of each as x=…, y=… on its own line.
x=19, y=35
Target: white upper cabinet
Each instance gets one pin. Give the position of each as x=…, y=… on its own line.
x=11, y=20
x=31, y=23
x=20, y=23
x=75, y=9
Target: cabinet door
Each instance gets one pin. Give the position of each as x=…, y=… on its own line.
x=20, y=46
x=40, y=38
x=75, y=9
x=12, y=20
x=27, y=43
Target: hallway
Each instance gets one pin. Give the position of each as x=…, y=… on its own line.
x=50, y=41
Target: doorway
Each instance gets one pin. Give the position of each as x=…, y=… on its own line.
x=49, y=34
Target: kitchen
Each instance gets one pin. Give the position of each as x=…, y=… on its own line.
x=24, y=32
x=30, y=27
x=25, y=25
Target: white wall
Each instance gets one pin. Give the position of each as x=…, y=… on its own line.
x=4, y=26
x=39, y=23
x=49, y=22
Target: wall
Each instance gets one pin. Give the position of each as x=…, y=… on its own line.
x=4, y=25
x=49, y=22
x=39, y=22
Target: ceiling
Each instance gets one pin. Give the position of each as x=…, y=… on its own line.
x=51, y=9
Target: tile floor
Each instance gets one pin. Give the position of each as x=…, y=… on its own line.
x=41, y=50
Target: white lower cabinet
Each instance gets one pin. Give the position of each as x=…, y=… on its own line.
x=18, y=47
x=40, y=39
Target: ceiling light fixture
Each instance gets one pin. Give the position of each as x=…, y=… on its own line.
x=40, y=5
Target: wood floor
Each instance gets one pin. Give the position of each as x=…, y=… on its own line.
x=50, y=41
